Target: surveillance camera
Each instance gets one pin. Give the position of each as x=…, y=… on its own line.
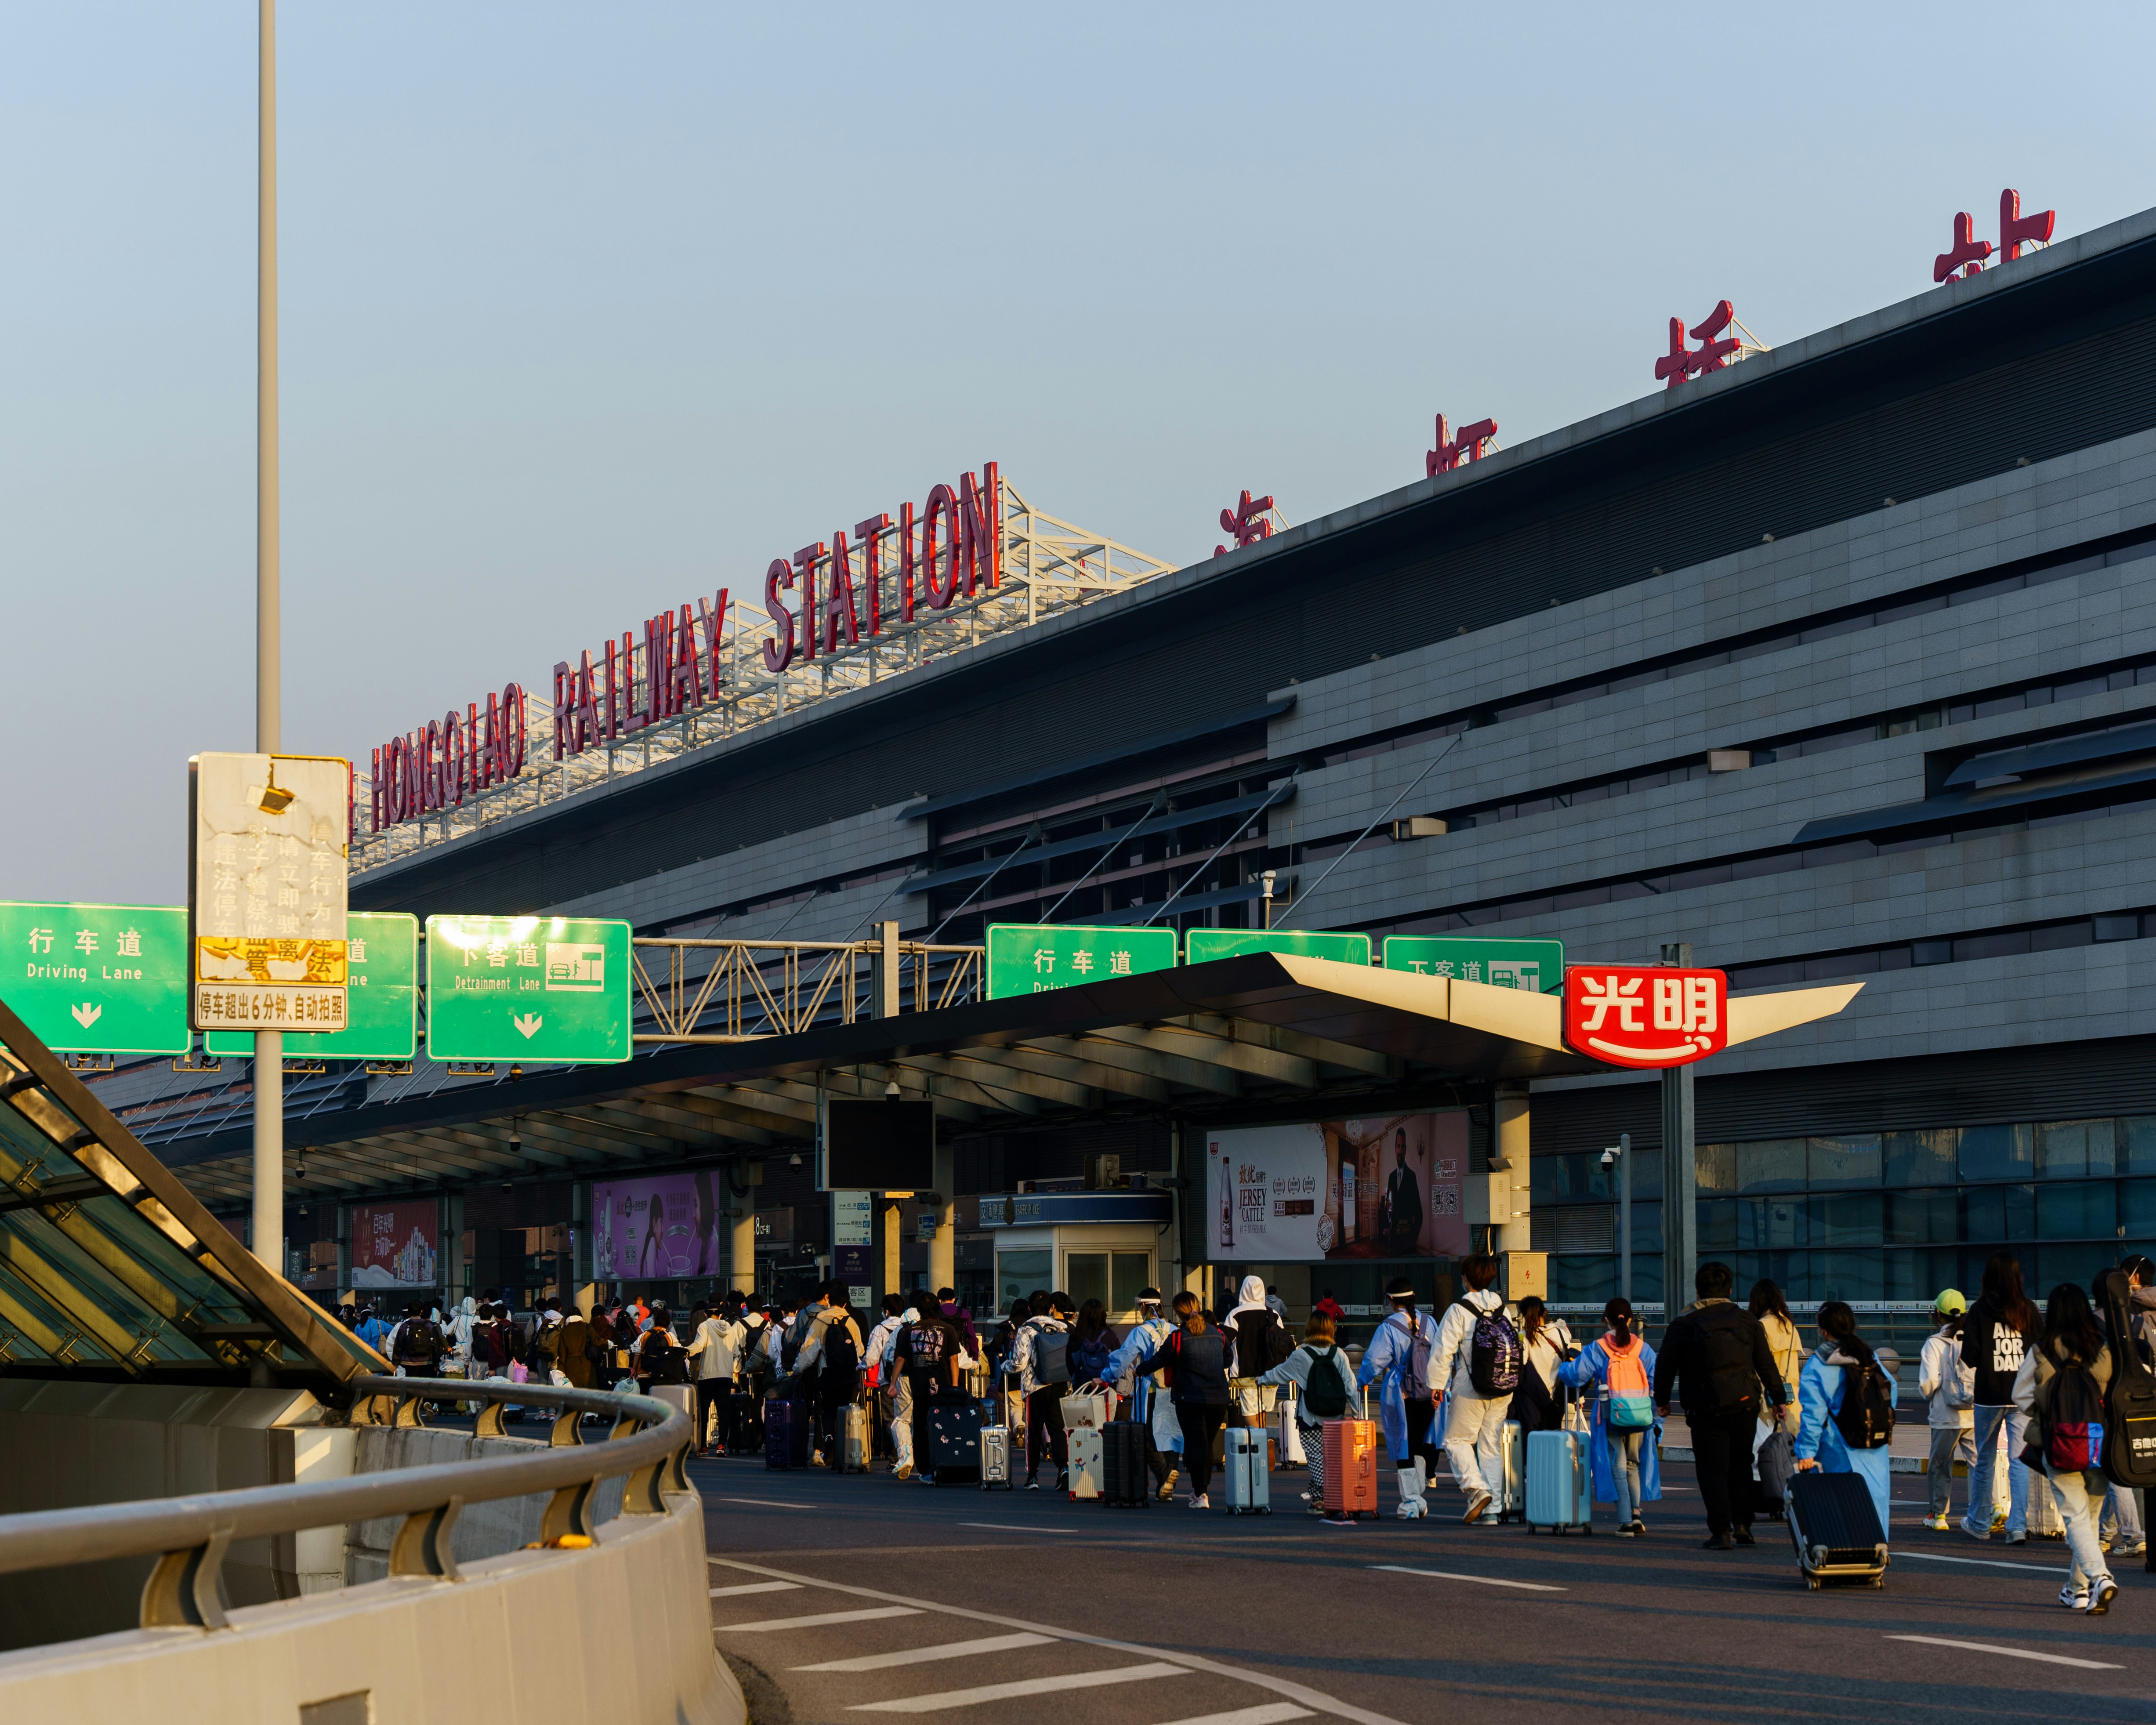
x=1609, y=1158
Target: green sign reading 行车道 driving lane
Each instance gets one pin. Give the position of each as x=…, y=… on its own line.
x=1200, y=944
x=381, y=993
x=98, y=978
x=542, y=988
x=1034, y=957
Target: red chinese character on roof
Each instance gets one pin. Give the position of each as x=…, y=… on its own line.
x=1712, y=353
x=2016, y=230
x=1452, y=451
x=1968, y=250
x=1246, y=521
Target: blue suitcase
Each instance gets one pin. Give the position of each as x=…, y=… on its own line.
x=1560, y=1483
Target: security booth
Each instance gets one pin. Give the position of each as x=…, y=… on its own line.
x=1092, y=1245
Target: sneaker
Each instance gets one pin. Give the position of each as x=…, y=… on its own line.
x=1936, y=1523
x=2020, y=1536
x=2074, y=1599
x=1167, y=1492
x=1199, y=1500
x=1308, y=1498
x=1974, y=1531
x=1032, y=1484
x=1743, y=1536
x=1063, y=1482
x=1316, y=1509
x=1475, y=1505
x=2135, y=1550
x=1639, y=1528
x=2101, y=1592
x=1626, y=1532
x=904, y=1470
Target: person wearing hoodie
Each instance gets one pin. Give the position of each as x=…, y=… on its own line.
x=1994, y=1336
x=1196, y=1354
x=1821, y=1385
x=1473, y=1424
x=1715, y=1359
x=882, y=1353
x=1134, y=1369
x=1257, y=1342
x=1615, y=1378
x=830, y=1362
x=2071, y=1353
x=1041, y=1358
x=1402, y=1359
x=715, y=1353
x=1319, y=1357
x=1949, y=1388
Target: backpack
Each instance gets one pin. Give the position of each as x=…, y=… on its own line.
x=1725, y=1346
x=2073, y=1422
x=420, y=1339
x=839, y=1353
x=1274, y=1344
x=1051, y=1356
x=789, y=1345
x=1493, y=1363
x=1865, y=1417
x=1326, y=1394
x=1958, y=1380
x=2129, y=1399
x=1631, y=1396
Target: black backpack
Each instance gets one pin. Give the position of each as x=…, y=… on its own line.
x=420, y=1340
x=1865, y=1417
x=1269, y=1347
x=1051, y=1356
x=839, y=1353
x=1725, y=1346
x=2129, y=1399
x=1326, y=1394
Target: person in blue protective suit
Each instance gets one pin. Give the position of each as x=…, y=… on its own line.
x=1399, y=1361
x=1615, y=1377
x=1133, y=1371
x=1820, y=1387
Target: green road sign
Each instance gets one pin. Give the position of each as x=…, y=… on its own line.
x=1033, y=957
x=381, y=997
x=1537, y=966
x=544, y=988
x=98, y=978
x=1200, y=944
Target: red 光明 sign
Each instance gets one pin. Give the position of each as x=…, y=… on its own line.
x=1645, y=1015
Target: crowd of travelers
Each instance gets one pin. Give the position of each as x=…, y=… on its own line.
x=2005, y=1389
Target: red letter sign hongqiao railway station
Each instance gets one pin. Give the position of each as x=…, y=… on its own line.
x=1645, y=1015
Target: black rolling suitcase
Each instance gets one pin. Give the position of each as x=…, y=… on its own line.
x=739, y=1429
x=954, y=1437
x=785, y=1434
x=1124, y=1476
x=1835, y=1526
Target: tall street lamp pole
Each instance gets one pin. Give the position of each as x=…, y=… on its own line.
x=268, y=1044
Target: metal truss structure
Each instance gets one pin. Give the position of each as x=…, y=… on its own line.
x=1046, y=566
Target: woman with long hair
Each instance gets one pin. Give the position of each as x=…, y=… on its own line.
x=1619, y=1370
x=1777, y=1425
x=1092, y=1343
x=2061, y=1385
x=1994, y=1336
x=1828, y=1378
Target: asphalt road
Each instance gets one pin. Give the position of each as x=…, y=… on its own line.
x=1074, y=1612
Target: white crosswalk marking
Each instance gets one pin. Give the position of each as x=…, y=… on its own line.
x=2087, y=1665
x=819, y=1620
x=1530, y=1587
x=756, y=1587
x=924, y=1655
x=1273, y=1712
x=1030, y=1686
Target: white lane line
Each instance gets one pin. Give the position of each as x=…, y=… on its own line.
x=1531, y=1587
x=819, y=1620
x=1011, y=1527
x=1273, y=1712
x=1940, y=1557
x=756, y=1587
x=924, y=1655
x=1029, y=1686
x=2085, y=1665
x=1316, y=1700
x=766, y=1502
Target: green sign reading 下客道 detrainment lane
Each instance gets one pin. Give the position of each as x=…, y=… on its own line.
x=1537, y=965
x=1034, y=957
x=540, y=989
x=381, y=993
x=98, y=978
x=1200, y=944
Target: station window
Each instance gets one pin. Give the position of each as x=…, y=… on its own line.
x=1112, y=1278
x=2007, y=1213
x=2137, y=1208
x=2076, y=1210
x=2136, y=1145
x=1840, y=1163
x=1925, y=1158
x=2068, y=1147
x=1775, y=1165
x=1997, y=1153
x=1020, y=1274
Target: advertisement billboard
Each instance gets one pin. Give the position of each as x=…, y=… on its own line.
x=659, y=1228
x=1384, y=1187
x=397, y=1245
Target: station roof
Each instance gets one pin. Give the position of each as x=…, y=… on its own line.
x=109, y=1266
x=1244, y=1037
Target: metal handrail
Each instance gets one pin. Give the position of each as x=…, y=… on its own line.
x=192, y=1533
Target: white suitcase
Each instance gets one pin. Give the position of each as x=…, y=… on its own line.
x=1509, y=1488
x=1086, y=1467
x=1245, y=1474
x=1290, y=1435
x=995, y=1457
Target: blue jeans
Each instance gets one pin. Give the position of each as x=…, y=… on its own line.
x=1980, y=1488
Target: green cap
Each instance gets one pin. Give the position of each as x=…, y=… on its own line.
x=1951, y=1302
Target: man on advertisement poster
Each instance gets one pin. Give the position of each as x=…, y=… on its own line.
x=1404, y=1213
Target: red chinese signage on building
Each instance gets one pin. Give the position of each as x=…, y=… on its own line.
x=1967, y=256
x=1452, y=452
x=1712, y=353
x=1246, y=521
x=1645, y=1015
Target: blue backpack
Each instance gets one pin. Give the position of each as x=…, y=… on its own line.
x=1415, y=1365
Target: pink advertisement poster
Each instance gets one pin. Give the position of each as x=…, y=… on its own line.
x=396, y=1245
x=660, y=1228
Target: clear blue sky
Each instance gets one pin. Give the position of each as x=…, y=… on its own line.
x=588, y=309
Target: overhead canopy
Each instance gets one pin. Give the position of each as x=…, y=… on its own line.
x=109, y=1266
x=1240, y=1036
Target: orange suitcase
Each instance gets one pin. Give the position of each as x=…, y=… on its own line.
x=1350, y=1468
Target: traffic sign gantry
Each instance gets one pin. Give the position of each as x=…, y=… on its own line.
x=98, y=978
x=1537, y=965
x=383, y=988
x=1200, y=944
x=544, y=988
x=1033, y=957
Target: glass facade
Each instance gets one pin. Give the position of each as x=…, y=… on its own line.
x=1873, y=1215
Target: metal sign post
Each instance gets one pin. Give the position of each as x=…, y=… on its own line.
x=268, y=1239
x=1679, y=1213
x=1620, y=1153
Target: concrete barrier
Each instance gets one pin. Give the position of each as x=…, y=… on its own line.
x=618, y=1633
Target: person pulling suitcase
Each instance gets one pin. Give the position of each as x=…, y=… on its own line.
x=1323, y=1380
